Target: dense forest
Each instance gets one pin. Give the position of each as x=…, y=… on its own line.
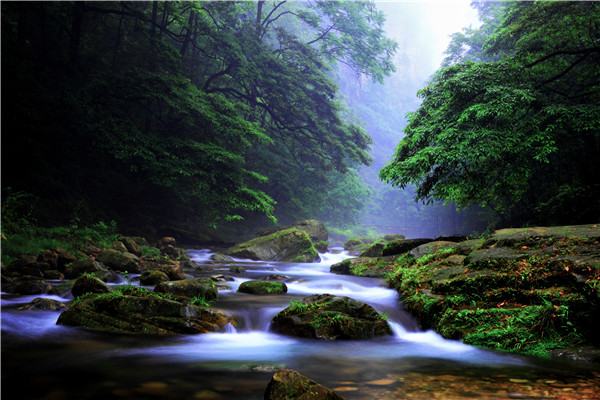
x=186, y=114
x=184, y=117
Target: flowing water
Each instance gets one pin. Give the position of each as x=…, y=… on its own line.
x=41, y=360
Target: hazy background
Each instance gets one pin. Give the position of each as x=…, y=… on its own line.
x=422, y=30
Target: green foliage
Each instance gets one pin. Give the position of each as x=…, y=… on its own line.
x=21, y=234
x=201, y=301
x=151, y=253
x=512, y=132
x=214, y=111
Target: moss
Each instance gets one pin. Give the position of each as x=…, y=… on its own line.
x=529, y=305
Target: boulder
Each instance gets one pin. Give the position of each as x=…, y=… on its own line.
x=153, y=277
x=287, y=384
x=322, y=247
x=374, y=250
x=131, y=245
x=326, y=316
x=28, y=287
x=42, y=304
x=167, y=241
x=315, y=229
x=393, y=236
x=143, y=315
x=53, y=274
x=237, y=269
x=79, y=267
x=221, y=258
x=119, y=261
x=290, y=245
x=89, y=284
x=189, y=288
x=262, y=287
x=354, y=245
x=431, y=248
x=28, y=265
x=402, y=246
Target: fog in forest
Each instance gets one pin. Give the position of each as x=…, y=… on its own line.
x=422, y=31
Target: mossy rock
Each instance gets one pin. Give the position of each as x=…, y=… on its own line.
x=143, y=315
x=374, y=250
x=402, y=246
x=330, y=317
x=89, y=284
x=290, y=245
x=532, y=295
x=189, y=288
x=287, y=384
x=354, y=245
x=119, y=261
x=153, y=277
x=79, y=267
x=263, y=287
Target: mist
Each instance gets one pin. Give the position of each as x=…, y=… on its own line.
x=422, y=31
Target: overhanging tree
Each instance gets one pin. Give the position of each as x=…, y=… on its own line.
x=520, y=133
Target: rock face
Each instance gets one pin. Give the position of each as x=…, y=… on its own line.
x=287, y=384
x=143, y=315
x=189, y=288
x=290, y=245
x=325, y=316
x=262, y=287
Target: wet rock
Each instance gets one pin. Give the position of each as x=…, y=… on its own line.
x=290, y=245
x=221, y=278
x=393, y=236
x=27, y=265
x=79, y=267
x=262, y=287
x=237, y=269
x=354, y=245
x=322, y=247
x=374, y=250
x=189, y=288
x=287, y=384
x=119, y=246
x=167, y=241
x=431, y=248
x=277, y=277
x=89, y=284
x=29, y=287
x=402, y=246
x=221, y=258
x=131, y=245
x=153, y=277
x=64, y=289
x=53, y=274
x=118, y=261
x=315, y=229
x=144, y=315
x=330, y=317
x=41, y=304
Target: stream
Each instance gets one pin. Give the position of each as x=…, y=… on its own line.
x=41, y=360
